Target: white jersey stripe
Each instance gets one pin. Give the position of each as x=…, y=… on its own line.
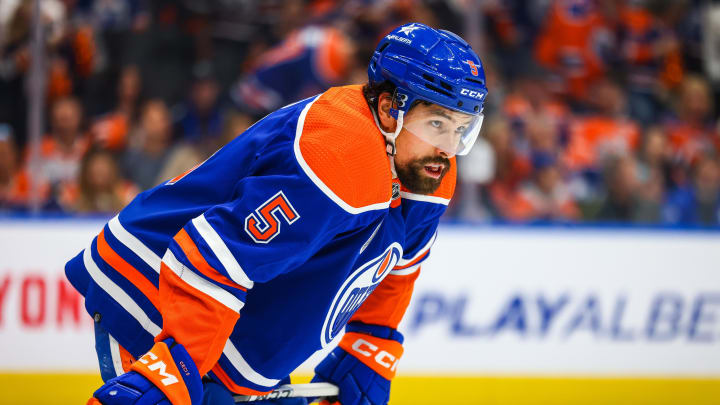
x=193, y=280
x=242, y=366
x=426, y=198
x=428, y=245
x=222, y=252
x=405, y=272
x=118, y=294
x=115, y=355
x=134, y=244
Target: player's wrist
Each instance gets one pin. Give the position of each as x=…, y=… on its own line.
x=379, y=331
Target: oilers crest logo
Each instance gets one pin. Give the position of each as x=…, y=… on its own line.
x=356, y=289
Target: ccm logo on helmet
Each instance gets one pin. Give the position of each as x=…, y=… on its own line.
x=472, y=93
x=381, y=357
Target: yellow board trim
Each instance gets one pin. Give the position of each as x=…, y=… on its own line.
x=43, y=389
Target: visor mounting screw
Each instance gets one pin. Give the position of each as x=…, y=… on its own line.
x=477, y=108
x=459, y=103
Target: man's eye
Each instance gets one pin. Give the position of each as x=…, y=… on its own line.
x=460, y=130
x=436, y=124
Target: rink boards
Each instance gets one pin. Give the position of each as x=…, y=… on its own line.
x=499, y=315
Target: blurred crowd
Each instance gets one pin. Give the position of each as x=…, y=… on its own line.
x=598, y=110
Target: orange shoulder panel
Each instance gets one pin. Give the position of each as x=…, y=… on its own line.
x=343, y=147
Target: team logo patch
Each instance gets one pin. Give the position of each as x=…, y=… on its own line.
x=361, y=283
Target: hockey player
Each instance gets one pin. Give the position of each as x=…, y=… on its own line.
x=313, y=221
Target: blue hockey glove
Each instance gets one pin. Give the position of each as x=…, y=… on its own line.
x=165, y=375
x=363, y=364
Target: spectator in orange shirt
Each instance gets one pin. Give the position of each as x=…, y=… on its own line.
x=511, y=168
x=538, y=119
x=100, y=188
x=607, y=131
x=692, y=133
x=112, y=130
x=60, y=151
x=546, y=196
x=574, y=44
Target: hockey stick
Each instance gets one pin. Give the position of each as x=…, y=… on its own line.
x=312, y=390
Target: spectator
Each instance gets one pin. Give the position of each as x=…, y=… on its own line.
x=574, y=44
x=654, y=169
x=112, y=130
x=618, y=203
x=698, y=204
x=605, y=131
x=650, y=52
x=60, y=151
x=511, y=168
x=233, y=125
x=546, y=196
x=155, y=159
x=201, y=117
x=14, y=187
x=538, y=119
x=307, y=62
x=99, y=189
x=692, y=132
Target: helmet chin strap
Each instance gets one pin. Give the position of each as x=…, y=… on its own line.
x=390, y=137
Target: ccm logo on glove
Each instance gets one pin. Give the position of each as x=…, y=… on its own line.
x=381, y=355
x=158, y=366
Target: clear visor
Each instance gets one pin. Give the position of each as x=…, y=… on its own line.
x=450, y=131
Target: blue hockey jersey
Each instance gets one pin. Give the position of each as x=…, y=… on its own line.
x=259, y=256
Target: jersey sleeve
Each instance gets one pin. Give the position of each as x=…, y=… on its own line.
x=275, y=224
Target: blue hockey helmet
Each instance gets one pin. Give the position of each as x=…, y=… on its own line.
x=436, y=66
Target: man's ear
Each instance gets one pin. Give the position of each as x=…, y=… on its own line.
x=387, y=121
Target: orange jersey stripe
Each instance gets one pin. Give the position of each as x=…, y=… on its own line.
x=127, y=270
x=196, y=259
x=220, y=373
x=195, y=320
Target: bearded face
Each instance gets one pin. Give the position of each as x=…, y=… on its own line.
x=422, y=175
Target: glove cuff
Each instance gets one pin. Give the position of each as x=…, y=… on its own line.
x=383, y=332
x=381, y=355
x=169, y=367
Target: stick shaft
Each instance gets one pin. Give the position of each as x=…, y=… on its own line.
x=293, y=391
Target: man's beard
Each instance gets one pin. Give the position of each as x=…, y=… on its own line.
x=414, y=178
